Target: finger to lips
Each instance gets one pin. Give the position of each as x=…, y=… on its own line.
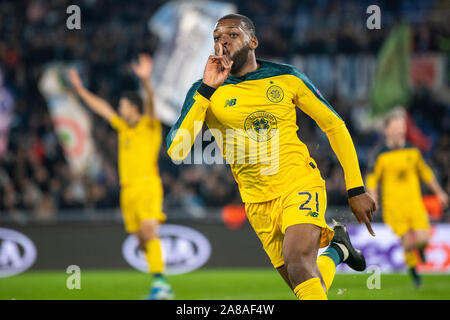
x=227, y=62
x=223, y=62
x=226, y=57
x=217, y=58
x=219, y=63
x=212, y=59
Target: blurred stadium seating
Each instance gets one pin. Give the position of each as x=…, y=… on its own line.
x=35, y=180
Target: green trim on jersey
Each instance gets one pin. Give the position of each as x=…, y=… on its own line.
x=267, y=70
x=271, y=69
x=188, y=103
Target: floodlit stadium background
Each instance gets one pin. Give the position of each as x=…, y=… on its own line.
x=59, y=186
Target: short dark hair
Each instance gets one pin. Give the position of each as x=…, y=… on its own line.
x=134, y=98
x=245, y=20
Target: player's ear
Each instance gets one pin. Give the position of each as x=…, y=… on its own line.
x=253, y=44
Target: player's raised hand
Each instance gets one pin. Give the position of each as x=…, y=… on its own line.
x=143, y=68
x=363, y=207
x=74, y=78
x=217, y=68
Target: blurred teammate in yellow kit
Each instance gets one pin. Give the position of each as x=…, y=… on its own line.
x=139, y=141
x=400, y=168
x=254, y=102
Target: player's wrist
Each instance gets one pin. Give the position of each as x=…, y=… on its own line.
x=206, y=90
x=353, y=192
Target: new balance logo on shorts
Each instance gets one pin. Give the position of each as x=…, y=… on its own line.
x=313, y=214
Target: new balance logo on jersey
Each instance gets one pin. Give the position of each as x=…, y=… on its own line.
x=230, y=103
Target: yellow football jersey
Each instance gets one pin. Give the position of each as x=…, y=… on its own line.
x=139, y=147
x=400, y=171
x=253, y=120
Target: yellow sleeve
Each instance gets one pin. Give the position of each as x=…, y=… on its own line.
x=117, y=123
x=182, y=135
x=153, y=123
x=310, y=101
x=146, y=120
x=156, y=123
x=425, y=172
x=374, y=175
x=155, y=127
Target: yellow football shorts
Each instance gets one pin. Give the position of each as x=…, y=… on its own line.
x=140, y=202
x=404, y=218
x=301, y=204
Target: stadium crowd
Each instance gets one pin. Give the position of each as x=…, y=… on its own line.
x=34, y=175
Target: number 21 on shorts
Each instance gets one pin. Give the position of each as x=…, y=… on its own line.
x=306, y=205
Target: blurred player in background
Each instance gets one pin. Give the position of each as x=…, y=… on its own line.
x=285, y=204
x=139, y=141
x=400, y=167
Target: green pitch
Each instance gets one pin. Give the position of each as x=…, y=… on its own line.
x=214, y=284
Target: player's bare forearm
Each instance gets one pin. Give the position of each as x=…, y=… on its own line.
x=149, y=103
x=96, y=104
x=143, y=70
x=439, y=192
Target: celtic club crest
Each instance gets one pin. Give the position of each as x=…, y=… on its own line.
x=275, y=94
x=260, y=125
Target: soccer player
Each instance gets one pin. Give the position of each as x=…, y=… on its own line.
x=400, y=168
x=254, y=101
x=139, y=141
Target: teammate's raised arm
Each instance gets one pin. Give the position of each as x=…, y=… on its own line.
x=439, y=192
x=143, y=70
x=428, y=177
x=94, y=102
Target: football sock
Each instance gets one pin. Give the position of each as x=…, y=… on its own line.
x=410, y=259
x=415, y=276
x=153, y=254
x=158, y=276
x=422, y=255
x=310, y=289
x=421, y=250
x=329, y=260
